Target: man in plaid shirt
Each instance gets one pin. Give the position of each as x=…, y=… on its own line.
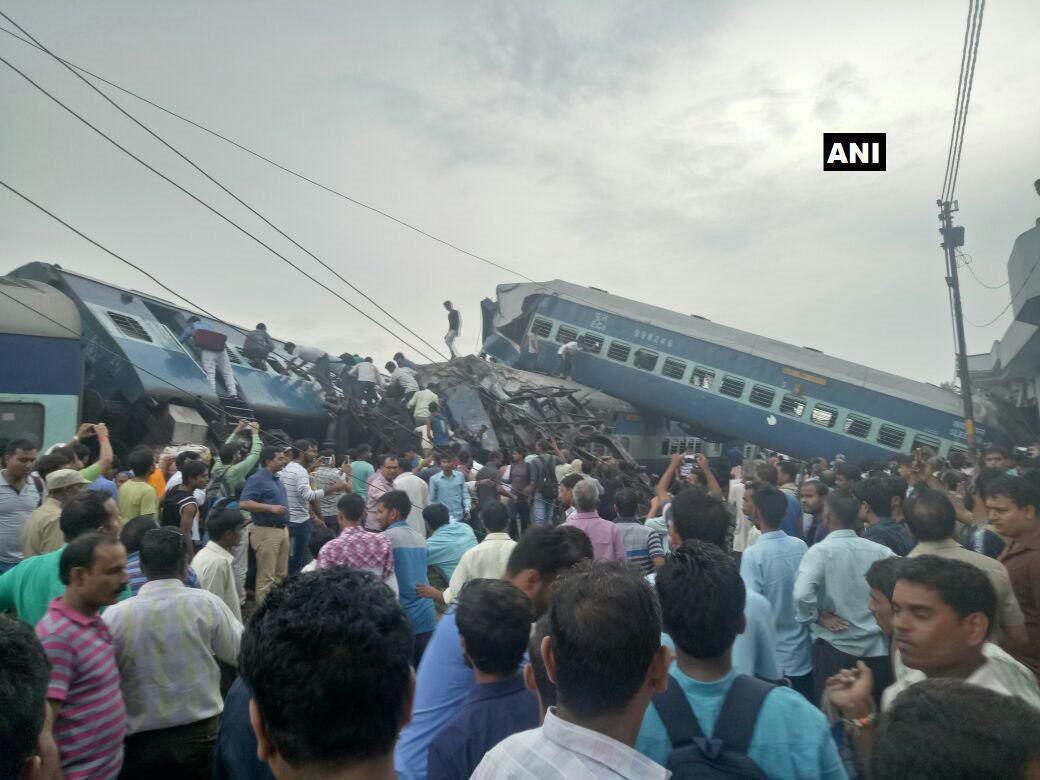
x=357, y=548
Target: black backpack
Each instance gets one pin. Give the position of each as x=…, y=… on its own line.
x=724, y=754
x=548, y=487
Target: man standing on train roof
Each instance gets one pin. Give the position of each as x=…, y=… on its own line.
x=319, y=361
x=212, y=347
x=367, y=376
x=258, y=344
x=454, y=328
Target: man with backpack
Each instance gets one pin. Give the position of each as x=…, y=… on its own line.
x=544, y=487
x=711, y=721
x=212, y=347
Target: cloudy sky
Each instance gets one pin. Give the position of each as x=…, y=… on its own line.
x=668, y=152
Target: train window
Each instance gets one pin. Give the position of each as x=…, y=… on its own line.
x=232, y=356
x=618, y=351
x=824, y=415
x=565, y=334
x=857, y=425
x=762, y=396
x=732, y=386
x=922, y=440
x=665, y=446
x=891, y=436
x=20, y=420
x=702, y=377
x=673, y=369
x=128, y=326
x=541, y=328
x=590, y=342
x=645, y=360
x=677, y=446
x=963, y=453
x=792, y=405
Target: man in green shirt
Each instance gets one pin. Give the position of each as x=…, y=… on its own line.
x=361, y=469
x=29, y=587
x=77, y=452
x=137, y=497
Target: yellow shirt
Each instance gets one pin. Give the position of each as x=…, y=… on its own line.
x=136, y=499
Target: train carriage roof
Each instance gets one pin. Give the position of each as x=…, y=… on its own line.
x=58, y=316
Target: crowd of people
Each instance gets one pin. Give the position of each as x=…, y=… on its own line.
x=278, y=611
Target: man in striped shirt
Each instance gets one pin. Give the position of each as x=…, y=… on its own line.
x=643, y=547
x=84, y=692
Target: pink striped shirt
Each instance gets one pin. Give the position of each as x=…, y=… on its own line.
x=85, y=680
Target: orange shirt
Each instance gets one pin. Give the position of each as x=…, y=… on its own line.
x=158, y=481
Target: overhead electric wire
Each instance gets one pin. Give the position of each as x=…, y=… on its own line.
x=974, y=53
x=968, y=263
x=198, y=168
x=211, y=208
x=286, y=169
x=957, y=101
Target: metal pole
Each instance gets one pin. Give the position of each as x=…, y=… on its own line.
x=951, y=240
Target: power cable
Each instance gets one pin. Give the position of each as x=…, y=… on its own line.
x=212, y=209
x=957, y=101
x=968, y=263
x=1010, y=303
x=239, y=200
x=973, y=52
x=303, y=177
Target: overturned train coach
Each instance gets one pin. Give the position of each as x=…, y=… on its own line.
x=73, y=347
x=726, y=384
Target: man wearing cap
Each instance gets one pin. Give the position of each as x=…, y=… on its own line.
x=42, y=531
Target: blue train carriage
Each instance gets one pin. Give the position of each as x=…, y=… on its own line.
x=149, y=386
x=41, y=365
x=730, y=384
x=278, y=398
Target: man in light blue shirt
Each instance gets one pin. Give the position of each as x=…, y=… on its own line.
x=449, y=488
x=409, y=565
x=831, y=595
x=697, y=516
x=447, y=541
x=768, y=567
x=702, y=605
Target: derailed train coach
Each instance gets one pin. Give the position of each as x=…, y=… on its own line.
x=727, y=384
x=120, y=362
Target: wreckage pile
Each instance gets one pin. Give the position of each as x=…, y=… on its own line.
x=495, y=407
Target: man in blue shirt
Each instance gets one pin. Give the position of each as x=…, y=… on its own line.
x=444, y=680
x=447, y=541
x=697, y=516
x=264, y=496
x=831, y=595
x=768, y=567
x=702, y=605
x=791, y=523
x=437, y=429
x=449, y=488
x=409, y=565
x=494, y=621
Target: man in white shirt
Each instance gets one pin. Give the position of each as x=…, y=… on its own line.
x=943, y=612
x=403, y=379
x=168, y=639
x=367, y=376
x=607, y=612
x=418, y=493
x=302, y=517
x=213, y=563
x=318, y=359
x=566, y=354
